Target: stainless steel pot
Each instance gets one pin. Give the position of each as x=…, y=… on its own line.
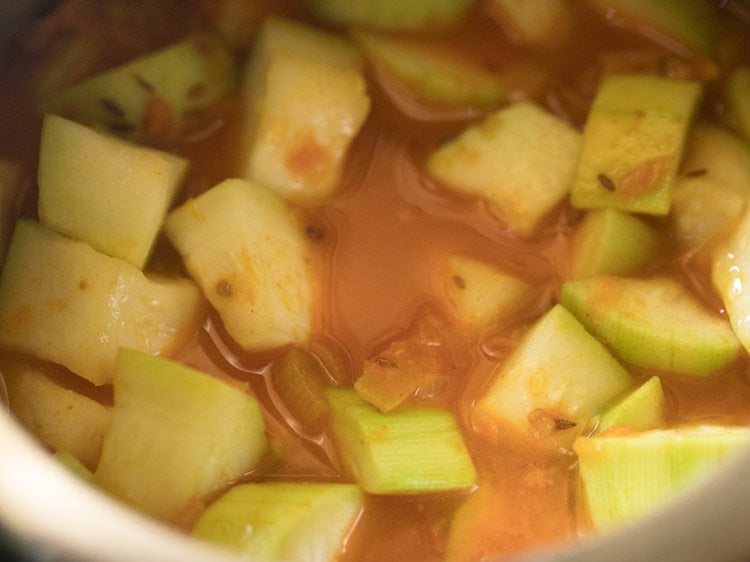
x=48, y=515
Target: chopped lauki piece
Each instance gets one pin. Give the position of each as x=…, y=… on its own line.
x=632, y=143
x=154, y=96
x=61, y=418
x=610, y=241
x=62, y=301
x=713, y=187
x=407, y=451
x=299, y=380
x=653, y=323
x=244, y=248
x=552, y=385
x=738, y=99
x=642, y=409
x=176, y=435
x=393, y=15
x=482, y=294
x=625, y=476
x=306, y=101
x=283, y=521
x=688, y=28
x=105, y=191
x=521, y=159
x=433, y=76
x=730, y=275
x=536, y=23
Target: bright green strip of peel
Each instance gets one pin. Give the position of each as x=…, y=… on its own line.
x=410, y=450
x=642, y=409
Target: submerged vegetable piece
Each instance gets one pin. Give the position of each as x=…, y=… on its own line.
x=632, y=143
x=62, y=301
x=306, y=100
x=104, y=191
x=242, y=245
x=610, y=241
x=176, y=435
x=483, y=294
x=625, y=476
x=537, y=23
x=730, y=275
x=62, y=419
x=654, y=323
x=10, y=195
x=154, y=96
x=521, y=159
x=642, y=409
x=552, y=385
x=738, y=98
x=407, y=451
x=433, y=76
x=685, y=24
x=713, y=188
x=283, y=521
x=392, y=14
x=299, y=380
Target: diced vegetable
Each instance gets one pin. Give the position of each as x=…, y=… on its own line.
x=552, y=384
x=483, y=294
x=176, y=435
x=283, y=521
x=392, y=14
x=537, y=23
x=632, y=143
x=680, y=24
x=74, y=466
x=154, y=96
x=242, y=245
x=62, y=419
x=62, y=301
x=610, y=241
x=625, y=476
x=653, y=323
x=642, y=409
x=738, y=98
x=433, y=76
x=521, y=159
x=730, y=275
x=713, y=189
x=410, y=450
x=10, y=192
x=104, y=191
x=306, y=100
x=299, y=379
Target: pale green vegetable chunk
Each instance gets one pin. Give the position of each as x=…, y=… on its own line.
x=154, y=96
x=654, y=323
x=407, y=451
x=642, y=409
x=306, y=100
x=628, y=476
x=393, y=15
x=431, y=75
x=483, y=294
x=521, y=159
x=63, y=301
x=244, y=248
x=551, y=386
x=105, y=191
x=283, y=521
x=61, y=418
x=610, y=241
x=176, y=435
x=680, y=24
x=738, y=98
x=537, y=23
x=632, y=143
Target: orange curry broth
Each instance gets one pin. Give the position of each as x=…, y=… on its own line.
x=379, y=241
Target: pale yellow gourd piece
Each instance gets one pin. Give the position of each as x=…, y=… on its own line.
x=242, y=245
